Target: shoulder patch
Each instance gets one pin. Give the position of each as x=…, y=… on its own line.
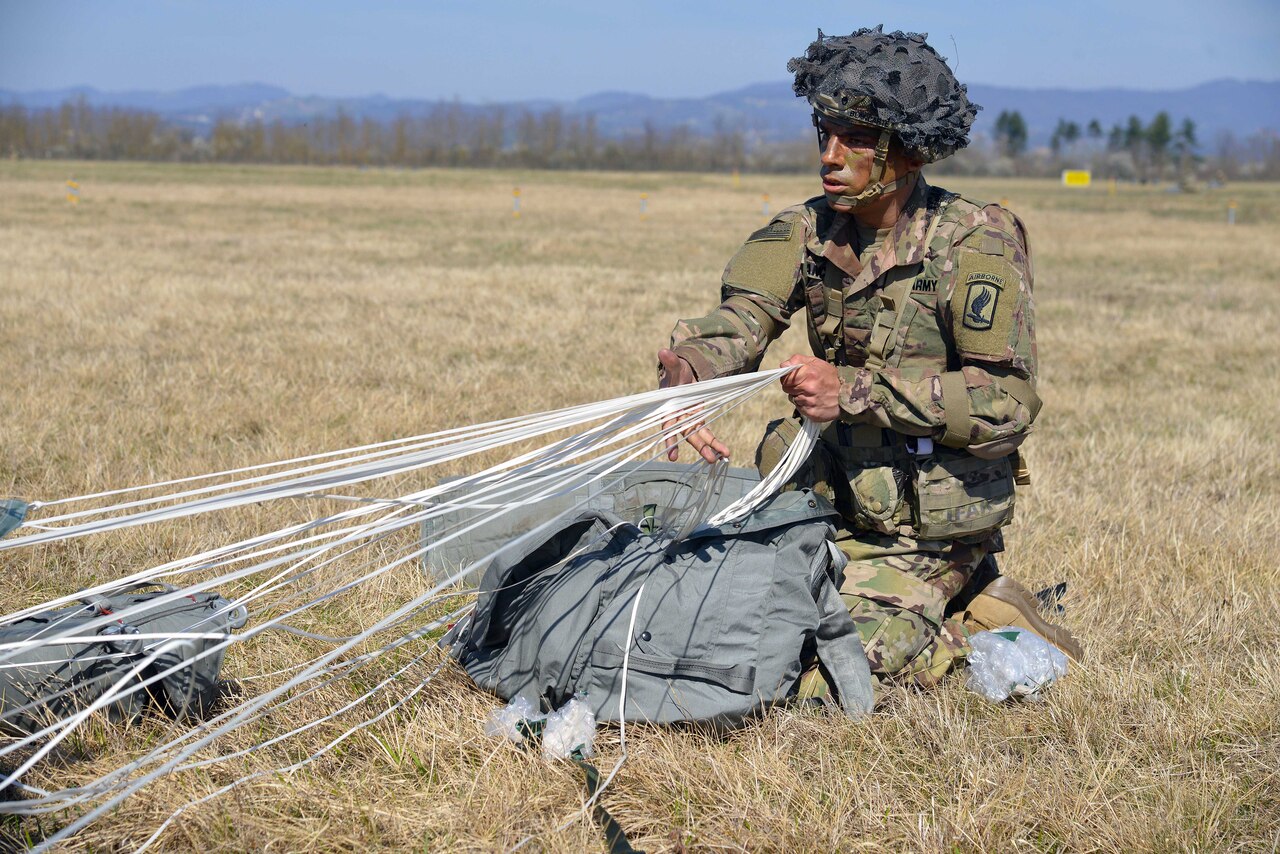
x=982, y=305
x=769, y=262
x=980, y=301
x=776, y=230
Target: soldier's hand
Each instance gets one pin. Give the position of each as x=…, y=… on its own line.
x=676, y=371
x=814, y=387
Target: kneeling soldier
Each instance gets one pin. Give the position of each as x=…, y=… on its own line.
x=920, y=312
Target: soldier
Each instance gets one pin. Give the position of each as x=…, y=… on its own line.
x=920, y=314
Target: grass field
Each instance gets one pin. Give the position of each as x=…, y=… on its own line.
x=184, y=319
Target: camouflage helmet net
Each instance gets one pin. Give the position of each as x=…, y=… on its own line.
x=888, y=80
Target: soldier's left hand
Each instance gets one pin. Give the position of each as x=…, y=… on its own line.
x=814, y=387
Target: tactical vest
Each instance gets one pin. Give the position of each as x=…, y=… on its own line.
x=891, y=326
x=897, y=485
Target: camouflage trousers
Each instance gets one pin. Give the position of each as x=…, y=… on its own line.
x=896, y=588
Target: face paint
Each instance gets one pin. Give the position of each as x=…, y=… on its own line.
x=860, y=188
x=854, y=175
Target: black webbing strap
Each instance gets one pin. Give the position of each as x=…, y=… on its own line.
x=614, y=836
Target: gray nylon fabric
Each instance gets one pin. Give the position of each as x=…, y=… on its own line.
x=44, y=683
x=13, y=512
x=910, y=88
x=645, y=494
x=722, y=626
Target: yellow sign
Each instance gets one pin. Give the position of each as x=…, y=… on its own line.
x=1076, y=177
x=73, y=192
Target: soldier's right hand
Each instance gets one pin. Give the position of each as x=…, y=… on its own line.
x=676, y=371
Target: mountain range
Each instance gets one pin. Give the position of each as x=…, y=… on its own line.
x=767, y=112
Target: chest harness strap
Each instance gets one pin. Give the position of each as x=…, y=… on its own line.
x=897, y=309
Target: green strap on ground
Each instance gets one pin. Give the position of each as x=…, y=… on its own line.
x=614, y=836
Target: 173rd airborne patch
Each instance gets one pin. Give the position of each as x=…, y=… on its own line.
x=983, y=302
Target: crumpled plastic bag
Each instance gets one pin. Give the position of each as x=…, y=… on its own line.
x=572, y=726
x=1012, y=662
x=505, y=722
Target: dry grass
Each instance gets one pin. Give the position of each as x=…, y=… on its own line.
x=186, y=319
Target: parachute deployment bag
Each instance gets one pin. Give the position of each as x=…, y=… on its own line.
x=720, y=631
x=50, y=680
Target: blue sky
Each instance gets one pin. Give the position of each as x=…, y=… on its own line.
x=562, y=49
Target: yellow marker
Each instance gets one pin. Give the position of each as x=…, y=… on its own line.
x=1004, y=203
x=737, y=179
x=1231, y=212
x=644, y=204
x=1111, y=187
x=73, y=192
x=515, y=202
x=1076, y=177
x=765, y=204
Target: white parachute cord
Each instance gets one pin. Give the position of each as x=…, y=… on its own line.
x=72, y=722
x=159, y=572
x=675, y=398
x=521, y=472
x=423, y=440
x=246, y=710
x=797, y=452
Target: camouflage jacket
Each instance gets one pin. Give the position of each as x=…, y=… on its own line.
x=934, y=337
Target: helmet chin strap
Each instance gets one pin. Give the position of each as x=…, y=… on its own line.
x=875, y=186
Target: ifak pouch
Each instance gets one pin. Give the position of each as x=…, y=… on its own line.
x=958, y=495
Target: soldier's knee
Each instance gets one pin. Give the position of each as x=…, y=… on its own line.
x=816, y=473
x=892, y=637
x=778, y=436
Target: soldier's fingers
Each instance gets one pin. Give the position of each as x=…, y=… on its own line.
x=791, y=382
x=671, y=439
x=708, y=446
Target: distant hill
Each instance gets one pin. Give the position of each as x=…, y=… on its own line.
x=766, y=111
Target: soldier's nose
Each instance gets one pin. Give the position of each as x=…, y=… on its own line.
x=831, y=156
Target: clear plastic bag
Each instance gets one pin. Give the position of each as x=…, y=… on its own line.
x=1012, y=662
x=572, y=726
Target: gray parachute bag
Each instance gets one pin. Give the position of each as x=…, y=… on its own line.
x=724, y=622
x=50, y=680
x=653, y=495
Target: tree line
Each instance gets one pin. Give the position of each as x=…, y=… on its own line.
x=448, y=135
x=1157, y=150
x=456, y=135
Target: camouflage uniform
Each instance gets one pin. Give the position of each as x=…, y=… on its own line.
x=934, y=343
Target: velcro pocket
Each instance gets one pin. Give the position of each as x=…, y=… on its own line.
x=877, y=497
x=959, y=495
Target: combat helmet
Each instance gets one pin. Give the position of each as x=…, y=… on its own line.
x=891, y=81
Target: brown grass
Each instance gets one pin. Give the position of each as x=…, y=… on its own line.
x=186, y=319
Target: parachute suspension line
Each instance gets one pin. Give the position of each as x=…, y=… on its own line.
x=312, y=570
x=797, y=452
